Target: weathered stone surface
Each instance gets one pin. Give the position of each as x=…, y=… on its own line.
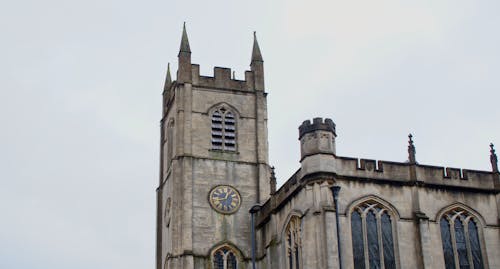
x=415, y=196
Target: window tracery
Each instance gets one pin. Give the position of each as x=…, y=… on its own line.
x=460, y=239
x=223, y=130
x=293, y=243
x=372, y=236
x=224, y=258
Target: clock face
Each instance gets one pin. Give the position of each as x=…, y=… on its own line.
x=225, y=199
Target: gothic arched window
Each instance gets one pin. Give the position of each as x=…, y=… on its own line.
x=223, y=130
x=293, y=245
x=170, y=141
x=460, y=238
x=372, y=237
x=224, y=258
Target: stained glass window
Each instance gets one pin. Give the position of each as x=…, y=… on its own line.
x=293, y=245
x=372, y=234
x=372, y=230
x=460, y=239
x=223, y=130
x=477, y=258
x=357, y=241
x=224, y=258
x=449, y=258
x=388, y=242
x=461, y=245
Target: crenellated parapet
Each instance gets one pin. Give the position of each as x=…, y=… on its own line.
x=317, y=145
x=387, y=172
x=318, y=124
x=317, y=137
x=189, y=73
x=380, y=172
x=222, y=79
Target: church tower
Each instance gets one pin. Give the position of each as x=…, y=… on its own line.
x=213, y=164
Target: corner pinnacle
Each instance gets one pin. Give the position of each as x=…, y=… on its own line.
x=411, y=150
x=493, y=158
x=168, y=79
x=184, y=41
x=256, y=55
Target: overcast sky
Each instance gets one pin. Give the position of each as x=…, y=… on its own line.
x=80, y=102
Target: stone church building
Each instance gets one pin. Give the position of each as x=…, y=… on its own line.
x=218, y=206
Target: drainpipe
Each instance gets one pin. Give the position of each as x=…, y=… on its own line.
x=253, y=210
x=335, y=192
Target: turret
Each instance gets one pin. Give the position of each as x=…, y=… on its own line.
x=257, y=65
x=184, y=74
x=317, y=137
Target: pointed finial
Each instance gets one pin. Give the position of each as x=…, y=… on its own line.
x=493, y=158
x=256, y=55
x=411, y=150
x=272, y=181
x=168, y=79
x=184, y=41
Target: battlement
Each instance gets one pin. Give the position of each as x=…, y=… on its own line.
x=190, y=73
x=386, y=172
x=222, y=79
x=318, y=155
x=370, y=171
x=317, y=124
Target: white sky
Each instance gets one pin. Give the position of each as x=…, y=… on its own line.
x=80, y=102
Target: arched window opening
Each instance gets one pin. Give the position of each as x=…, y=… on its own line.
x=170, y=142
x=224, y=258
x=223, y=130
x=293, y=243
x=460, y=239
x=372, y=237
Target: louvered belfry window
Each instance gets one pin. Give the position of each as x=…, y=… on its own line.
x=223, y=130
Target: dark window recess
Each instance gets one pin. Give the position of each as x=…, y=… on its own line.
x=358, y=247
x=475, y=246
x=292, y=233
x=372, y=237
x=389, y=260
x=224, y=258
x=449, y=259
x=460, y=239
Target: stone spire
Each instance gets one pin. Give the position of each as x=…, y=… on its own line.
x=411, y=150
x=184, y=74
x=184, y=41
x=272, y=181
x=168, y=79
x=257, y=65
x=493, y=159
x=256, y=55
